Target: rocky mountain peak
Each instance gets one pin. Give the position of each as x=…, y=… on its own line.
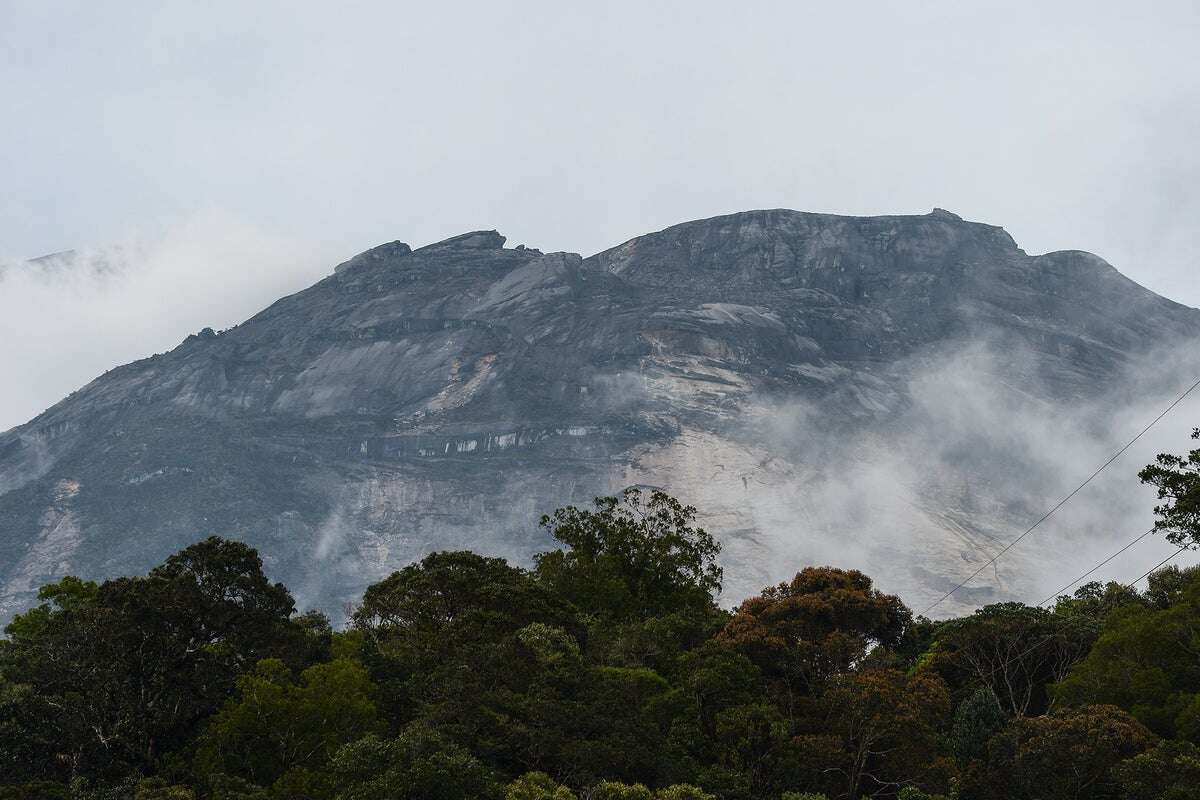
x=383, y=253
x=473, y=240
x=444, y=397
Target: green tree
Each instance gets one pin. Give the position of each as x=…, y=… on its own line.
x=1145, y=662
x=655, y=642
x=159, y=789
x=275, y=723
x=227, y=787
x=1167, y=586
x=1177, y=479
x=913, y=793
x=465, y=643
x=1012, y=650
x=127, y=671
x=683, y=791
x=1095, y=601
x=616, y=732
x=715, y=678
x=301, y=783
x=613, y=790
x=1070, y=755
x=428, y=602
x=36, y=790
x=453, y=613
x=537, y=786
x=976, y=720
x=754, y=751
x=419, y=764
x=68, y=594
x=631, y=558
x=1168, y=771
x=878, y=729
x=28, y=732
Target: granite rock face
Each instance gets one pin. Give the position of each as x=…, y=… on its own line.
x=445, y=397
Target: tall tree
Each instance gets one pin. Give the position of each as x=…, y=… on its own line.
x=632, y=557
x=277, y=722
x=128, y=671
x=1177, y=479
x=468, y=644
x=419, y=764
x=1147, y=661
x=1168, y=771
x=1012, y=650
x=879, y=730
x=822, y=622
x=1071, y=755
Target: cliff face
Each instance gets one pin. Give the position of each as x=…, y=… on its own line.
x=446, y=397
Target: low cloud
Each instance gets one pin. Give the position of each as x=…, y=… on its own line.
x=68, y=318
x=965, y=462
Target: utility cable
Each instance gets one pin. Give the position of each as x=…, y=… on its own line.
x=1098, y=566
x=1129, y=585
x=1146, y=574
x=1062, y=502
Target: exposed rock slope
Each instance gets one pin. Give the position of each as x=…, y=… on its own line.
x=445, y=397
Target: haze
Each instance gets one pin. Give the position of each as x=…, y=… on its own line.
x=235, y=153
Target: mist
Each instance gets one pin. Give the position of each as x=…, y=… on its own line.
x=249, y=150
x=69, y=318
x=922, y=473
x=961, y=462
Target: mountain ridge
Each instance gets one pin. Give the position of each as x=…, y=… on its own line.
x=436, y=397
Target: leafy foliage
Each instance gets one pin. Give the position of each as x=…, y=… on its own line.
x=608, y=672
x=537, y=786
x=885, y=727
x=823, y=622
x=419, y=764
x=1072, y=754
x=631, y=557
x=1013, y=651
x=276, y=723
x=127, y=671
x=1145, y=661
x=1177, y=479
x=1168, y=771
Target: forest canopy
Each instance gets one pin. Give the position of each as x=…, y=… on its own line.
x=607, y=671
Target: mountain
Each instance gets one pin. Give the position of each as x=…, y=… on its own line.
x=824, y=388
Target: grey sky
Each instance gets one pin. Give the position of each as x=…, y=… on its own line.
x=243, y=149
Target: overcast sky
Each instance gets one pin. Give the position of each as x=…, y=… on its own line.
x=236, y=151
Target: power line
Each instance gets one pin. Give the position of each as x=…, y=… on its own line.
x=1098, y=566
x=1063, y=502
x=1132, y=583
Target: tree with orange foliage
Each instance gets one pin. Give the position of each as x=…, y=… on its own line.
x=823, y=622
